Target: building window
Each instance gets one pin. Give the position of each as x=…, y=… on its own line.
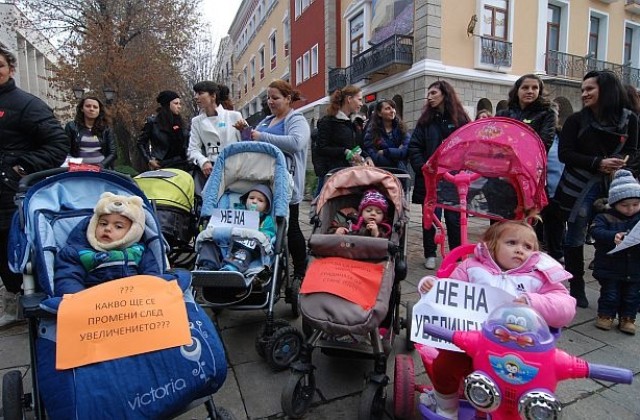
x=495, y=23
x=553, y=28
x=261, y=62
x=628, y=44
x=594, y=34
x=631, y=43
x=298, y=71
x=273, y=50
x=314, y=60
x=300, y=6
x=246, y=79
x=356, y=31
x=286, y=35
x=252, y=69
x=306, y=63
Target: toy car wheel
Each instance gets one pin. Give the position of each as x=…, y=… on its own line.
x=403, y=387
x=296, y=283
x=262, y=338
x=408, y=344
x=372, y=401
x=12, y=396
x=283, y=348
x=297, y=394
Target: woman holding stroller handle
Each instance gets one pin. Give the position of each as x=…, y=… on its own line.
x=594, y=143
x=90, y=135
x=211, y=131
x=164, y=139
x=442, y=115
x=338, y=135
x=386, y=139
x=288, y=130
x=32, y=140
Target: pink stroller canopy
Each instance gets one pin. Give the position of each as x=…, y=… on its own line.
x=494, y=148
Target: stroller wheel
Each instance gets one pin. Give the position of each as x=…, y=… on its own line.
x=297, y=394
x=283, y=347
x=262, y=338
x=372, y=401
x=12, y=396
x=408, y=344
x=403, y=387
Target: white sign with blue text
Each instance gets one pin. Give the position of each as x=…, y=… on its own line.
x=246, y=219
x=455, y=305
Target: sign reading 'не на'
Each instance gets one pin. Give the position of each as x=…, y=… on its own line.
x=247, y=219
x=120, y=318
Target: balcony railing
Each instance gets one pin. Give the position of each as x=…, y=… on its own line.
x=339, y=78
x=397, y=49
x=575, y=67
x=632, y=6
x=495, y=52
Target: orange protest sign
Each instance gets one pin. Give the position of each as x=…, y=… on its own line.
x=120, y=318
x=355, y=281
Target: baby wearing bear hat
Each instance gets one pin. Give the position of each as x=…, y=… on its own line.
x=105, y=246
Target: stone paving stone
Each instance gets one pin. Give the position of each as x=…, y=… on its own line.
x=598, y=406
x=577, y=344
x=261, y=388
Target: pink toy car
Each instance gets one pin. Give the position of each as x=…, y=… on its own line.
x=516, y=368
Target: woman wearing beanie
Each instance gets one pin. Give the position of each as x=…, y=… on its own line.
x=618, y=273
x=163, y=140
x=89, y=134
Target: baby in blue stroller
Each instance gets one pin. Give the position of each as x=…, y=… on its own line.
x=155, y=384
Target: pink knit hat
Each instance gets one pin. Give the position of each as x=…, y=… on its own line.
x=374, y=198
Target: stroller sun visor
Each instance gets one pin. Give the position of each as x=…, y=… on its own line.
x=169, y=187
x=243, y=164
x=344, y=181
x=493, y=148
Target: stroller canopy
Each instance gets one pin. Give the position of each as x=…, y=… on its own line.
x=493, y=148
x=169, y=187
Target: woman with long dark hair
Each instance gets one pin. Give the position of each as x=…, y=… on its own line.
x=386, y=139
x=90, y=135
x=442, y=115
x=163, y=141
x=594, y=143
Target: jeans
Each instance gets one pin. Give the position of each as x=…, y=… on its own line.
x=618, y=297
x=577, y=230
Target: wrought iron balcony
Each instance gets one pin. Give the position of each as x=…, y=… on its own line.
x=495, y=52
x=575, y=67
x=397, y=49
x=339, y=78
x=632, y=6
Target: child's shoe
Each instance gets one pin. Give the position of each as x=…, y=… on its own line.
x=604, y=322
x=627, y=325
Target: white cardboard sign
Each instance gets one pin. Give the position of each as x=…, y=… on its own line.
x=247, y=219
x=455, y=305
x=630, y=239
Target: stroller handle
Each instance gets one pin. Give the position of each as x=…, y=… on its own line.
x=33, y=178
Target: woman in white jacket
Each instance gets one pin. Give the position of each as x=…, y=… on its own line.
x=211, y=131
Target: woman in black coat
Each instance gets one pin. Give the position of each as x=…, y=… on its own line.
x=89, y=134
x=163, y=141
x=441, y=116
x=337, y=135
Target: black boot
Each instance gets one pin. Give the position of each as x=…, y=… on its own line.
x=574, y=264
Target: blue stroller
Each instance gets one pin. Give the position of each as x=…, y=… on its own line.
x=50, y=205
x=239, y=167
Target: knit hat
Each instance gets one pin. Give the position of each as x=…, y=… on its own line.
x=374, y=198
x=129, y=207
x=261, y=188
x=623, y=186
x=166, y=96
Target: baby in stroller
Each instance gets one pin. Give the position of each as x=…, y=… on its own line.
x=104, y=246
x=372, y=217
x=244, y=251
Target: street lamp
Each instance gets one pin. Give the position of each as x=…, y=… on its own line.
x=109, y=94
x=78, y=92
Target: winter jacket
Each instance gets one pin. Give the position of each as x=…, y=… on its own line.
x=209, y=135
x=107, y=143
x=294, y=144
x=622, y=265
x=540, y=118
x=79, y=266
x=538, y=279
x=156, y=142
x=335, y=134
x=394, y=146
x=30, y=137
x=583, y=145
x=424, y=141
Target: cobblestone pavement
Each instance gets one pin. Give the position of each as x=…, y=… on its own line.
x=252, y=390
